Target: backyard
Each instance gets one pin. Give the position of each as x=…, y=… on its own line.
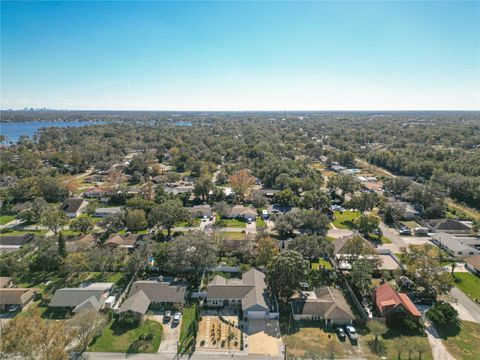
x=322, y=264
x=468, y=283
x=462, y=343
x=344, y=219
x=144, y=338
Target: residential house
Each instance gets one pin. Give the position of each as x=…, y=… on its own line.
x=249, y=293
x=96, y=193
x=73, y=206
x=154, y=294
x=267, y=193
x=200, y=211
x=16, y=297
x=13, y=242
x=79, y=243
x=91, y=297
x=240, y=211
x=104, y=212
x=457, y=246
x=473, y=264
x=449, y=226
x=5, y=281
x=280, y=209
x=127, y=241
x=388, y=302
x=326, y=303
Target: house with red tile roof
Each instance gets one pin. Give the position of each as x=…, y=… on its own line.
x=389, y=301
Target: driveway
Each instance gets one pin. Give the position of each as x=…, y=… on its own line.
x=469, y=308
x=392, y=234
x=439, y=351
x=264, y=337
x=251, y=228
x=168, y=345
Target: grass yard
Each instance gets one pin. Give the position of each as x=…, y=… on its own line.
x=194, y=223
x=322, y=264
x=5, y=219
x=70, y=232
x=232, y=235
x=464, y=344
x=233, y=223
x=469, y=284
x=259, y=222
x=385, y=240
x=344, y=219
x=9, y=232
x=116, y=338
x=309, y=339
x=188, y=315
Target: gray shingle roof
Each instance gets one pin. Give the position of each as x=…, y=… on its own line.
x=138, y=303
x=72, y=297
x=448, y=225
x=251, y=289
x=160, y=291
x=326, y=302
x=72, y=205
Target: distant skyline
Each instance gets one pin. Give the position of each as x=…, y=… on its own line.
x=241, y=56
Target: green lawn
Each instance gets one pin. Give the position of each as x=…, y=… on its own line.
x=70, y=233
x=344, y=219
x=22, y=232
x=141, y=232
x=233, y=235
x=188, y=315
x=259, y=222
x=385, y=240
x=5, y=219
x=116, y=338
x=195, y=223
x=462, y=343
x=322, y=263
x=233, y=223
x=469, y=284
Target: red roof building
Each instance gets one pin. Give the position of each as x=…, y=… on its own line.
x=388, y=301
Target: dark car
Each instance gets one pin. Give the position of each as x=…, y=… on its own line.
x=340, y=333
x=378, y=232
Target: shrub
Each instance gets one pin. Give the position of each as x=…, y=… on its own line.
x=443, y=314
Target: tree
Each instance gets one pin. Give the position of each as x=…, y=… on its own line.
x=315, y=199
x=311, y=247
x=286, y=224
x=377, y=328
x=443, y=314
x=362, y=270
x=285, y=198
x=241, y=181
x=313, y=222
x=423, y=264
x=221, y=208
x=113, y=222
x=420, y=346
x=87, y=325
x=193, y=252
x=363, y=201
x=62, y=251
x=259, y=201
x=82, y=224
x=202, y=187
x=400, y=344
x=266, y=250
x=347, y=184
x=136, y=220
x=356, y=246
x=167, y=214
x=366, y=223
x=75, y=262
x=32, y=337
x=285, y=273
x=34, y=214
x=392, y=211
x=53, y=219
x=397, y=185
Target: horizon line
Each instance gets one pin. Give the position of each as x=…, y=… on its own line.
x=233, y=110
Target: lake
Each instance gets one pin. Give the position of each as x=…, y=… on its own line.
x=14, y=130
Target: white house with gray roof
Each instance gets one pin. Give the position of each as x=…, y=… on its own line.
x=80, y=299
x=250, y=293
x=458, y=246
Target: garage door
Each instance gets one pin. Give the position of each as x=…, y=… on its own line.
x=256, y=315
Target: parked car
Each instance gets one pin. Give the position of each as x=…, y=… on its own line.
x=405, y=231
x=351, y=332
x=249, y=221
x=205, y=218
x=378, y=232
x=211, y=218
x=340, y=333
x=176, y=318
x=167, y=316
x=14, y=308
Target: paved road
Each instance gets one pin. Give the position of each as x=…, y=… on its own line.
x=391, y=233
x=115, y=356
x=468, y=304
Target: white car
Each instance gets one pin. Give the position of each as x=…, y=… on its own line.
x=176, y=318
x=351, y=332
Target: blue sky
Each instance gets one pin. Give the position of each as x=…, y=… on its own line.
x=241, y=55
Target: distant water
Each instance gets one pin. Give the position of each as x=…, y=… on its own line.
x=14, y=130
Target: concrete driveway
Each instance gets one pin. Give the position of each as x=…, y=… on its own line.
x=338, y=233
x=170, y=336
